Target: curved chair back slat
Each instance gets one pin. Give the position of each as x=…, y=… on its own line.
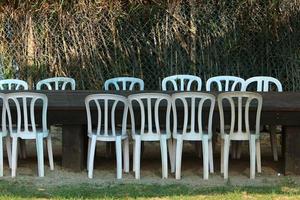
x=240, y=103
x=3, y=118
x=263, y=83
x=106, y=106
x=56, y=83
x=193, y=103
x=181, y=83
x=25, y=103
x=13, y=84
x=124, y=84
x=225, y=83
x=149, y=105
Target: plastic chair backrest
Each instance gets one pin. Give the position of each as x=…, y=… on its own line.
x=25, y=104
x=124, y=83
x=13, y=84
x=225, y=83
x=193, y=103
x=106, y=105
x=56, y=83
x=185, y=83
x=240, y=103
x=263, y=83
x=149, y=105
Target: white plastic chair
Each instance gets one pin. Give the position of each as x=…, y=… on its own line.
x=25, y=103
x=225, y=83
x=266, y=84
x=181, y=83
x=148, y=105
x=193, y=128
x=106, y=129
x=240, y=103
x=56, y=83
x=263, y=84
x=124, y=83
x=13, y=84
x=3, y=133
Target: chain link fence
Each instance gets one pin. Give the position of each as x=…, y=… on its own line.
x=92, y=41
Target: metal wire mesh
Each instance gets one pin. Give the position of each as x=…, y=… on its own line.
x=93, y=41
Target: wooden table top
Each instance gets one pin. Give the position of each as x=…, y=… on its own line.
x=74, y=100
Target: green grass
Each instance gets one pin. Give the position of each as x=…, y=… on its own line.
x=21, y=190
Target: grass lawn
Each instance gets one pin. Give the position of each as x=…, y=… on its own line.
x=17, y=189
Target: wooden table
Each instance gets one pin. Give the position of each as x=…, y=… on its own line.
x=67, y=108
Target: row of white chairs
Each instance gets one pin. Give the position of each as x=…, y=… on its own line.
x=56, y=83
x=145, y=110
x=217, y=83
x=60, y=83
x=175, y=82
x=194, y=83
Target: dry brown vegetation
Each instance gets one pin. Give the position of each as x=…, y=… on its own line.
x=95, y=40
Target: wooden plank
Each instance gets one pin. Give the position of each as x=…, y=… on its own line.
x=66, y=100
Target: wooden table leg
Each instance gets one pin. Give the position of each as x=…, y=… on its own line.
x=291, y=150
x=74, y=147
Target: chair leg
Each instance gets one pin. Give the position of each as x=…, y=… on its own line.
x=1, y=156
x=14, y=156
x=178, y=158
x=8, y=149
x=171, y=154
x=211, y=156
x=226, y=155
x=252, y=156
x=50, y=152
x=273, y=142
x=126, y=155
x=222, y=157
x=205, y=156
x=258, y=156
x=40, y=154
x=137, y=156
x=164, y=155
x=92, y=156
x=133, y=158
x=119, y=156
x=174, y=155
x=88, y=154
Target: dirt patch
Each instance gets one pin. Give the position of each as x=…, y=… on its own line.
x=104, y=170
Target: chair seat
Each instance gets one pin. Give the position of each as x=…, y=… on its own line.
x=29, y=135
x=109, y=137
x=240, y=136
x=191, y=136
x=151, y=136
